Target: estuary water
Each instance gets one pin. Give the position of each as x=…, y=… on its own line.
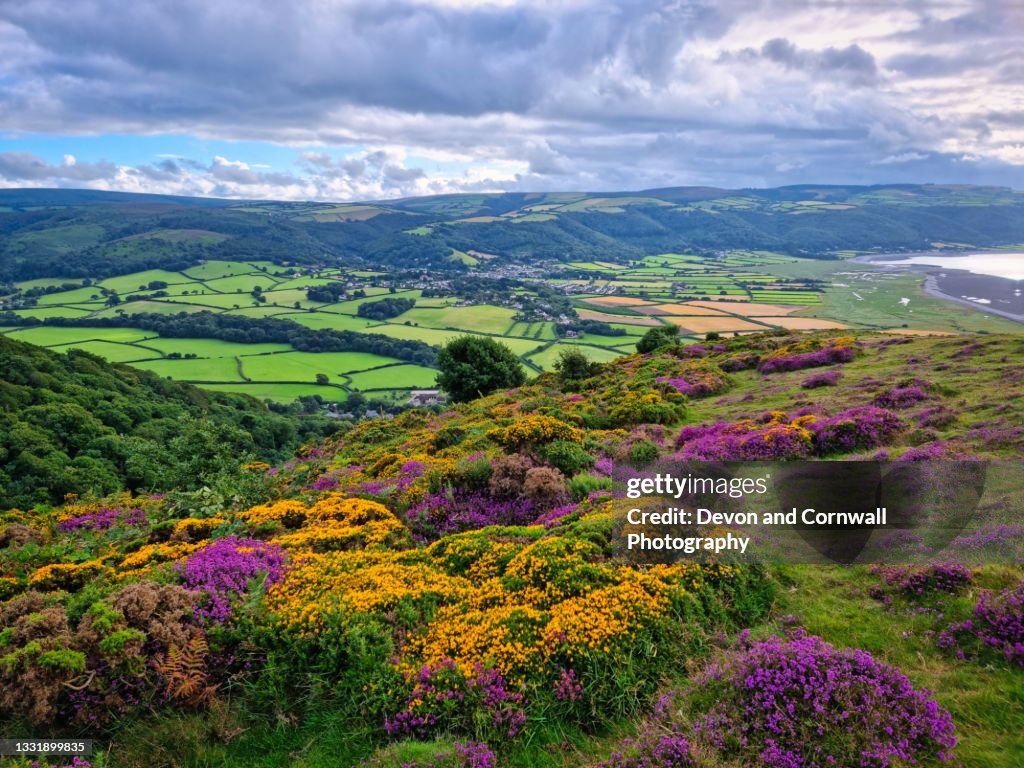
x=1005, y=264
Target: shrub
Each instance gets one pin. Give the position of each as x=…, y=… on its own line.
x=855, y=429
x=224, y=569
x=508, y=473
x=789, y=359
x=918, y=580
x=475, y=366
x=776, y=438
x=572, y=366
x=822, y=379
x=533, y=431
x=545, y=486
x=568, y=457
x=643, y=451
x=901, y=397
x=441, y=699
x=798, y=701
x=458, y=510
x=697, y=379
x=997, y=625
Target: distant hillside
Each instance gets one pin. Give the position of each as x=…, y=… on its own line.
x=74, y=423
x=86, y=233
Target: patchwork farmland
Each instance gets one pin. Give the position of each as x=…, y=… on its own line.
x=738, y=293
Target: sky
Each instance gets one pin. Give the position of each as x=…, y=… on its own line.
x=378, y=99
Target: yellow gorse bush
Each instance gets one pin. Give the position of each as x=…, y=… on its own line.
x=535, y=430
x=320, y=585
x=195, y=528
x=512, y=603
x=65, y=575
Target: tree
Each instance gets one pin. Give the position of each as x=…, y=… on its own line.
x=573, y=365
x=655, y=338
x=322, y=379
x=474, y=366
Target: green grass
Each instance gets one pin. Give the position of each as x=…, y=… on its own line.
x=241, y=283
x=304, y=366
x=76, y=296
x=986, y=701
x=483, y=318
x=303, y=282
x=213, y=347
x=114, y=352
x=280, y=393
x=130, y=283
x=41, y=313
x=216, y=300
x=396, y=377
x=287, y=298
x=597, y=340
x=157, y=307
x=212, y=369
x=211, y=270
x=261, y=311
x=48, y=336
x=549, y=356
x=320, y=320
x=439, y=337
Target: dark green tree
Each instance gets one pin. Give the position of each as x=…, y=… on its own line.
x=662, y=336
x=572, y=365
x=474, y=366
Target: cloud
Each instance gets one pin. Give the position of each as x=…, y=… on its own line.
x=852, y=61
x=552, y=94
x=24, y=166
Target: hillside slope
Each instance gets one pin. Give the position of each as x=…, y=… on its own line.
x=74, y=424
x=447, y=584
x=90, y=234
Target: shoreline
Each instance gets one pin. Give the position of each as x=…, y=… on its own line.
x=931, y=288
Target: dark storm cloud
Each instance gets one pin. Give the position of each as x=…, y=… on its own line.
x=579, y=94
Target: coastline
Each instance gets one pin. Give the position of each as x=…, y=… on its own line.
x=931, y=288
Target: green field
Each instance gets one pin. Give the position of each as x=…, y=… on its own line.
x=304, y=366
x=835, y=290
x=113, y=351
x=281, y=393
x=549, y=356
x=213, y=347
x=134, y=281
x=395, y=377
x=48, y=336
x=202, y=370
